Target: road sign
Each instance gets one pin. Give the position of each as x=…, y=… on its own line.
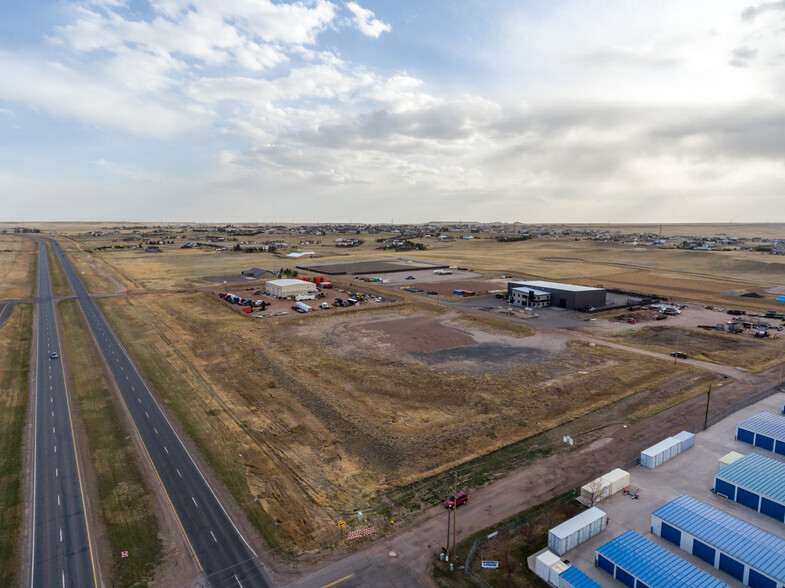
x=123, y=554
x=342, y=523
x=490, y=565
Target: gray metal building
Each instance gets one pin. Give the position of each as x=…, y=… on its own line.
x=567, y=296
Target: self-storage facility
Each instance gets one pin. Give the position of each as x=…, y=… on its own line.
x=749, y=554
x=576, y=530
x=765, y=430
x=572, y=577
x=639, y=563
x=755, y=481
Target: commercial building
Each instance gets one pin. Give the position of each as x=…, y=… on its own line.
x=529, y=297
x=562, y=295
x=756, y=481
x=639, y=563
x=289, y=288
x=749, y=554
x=765, y=430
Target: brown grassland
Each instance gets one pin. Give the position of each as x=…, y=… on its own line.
x=15, y=342
x=736, y=350
x=317, y=415
x=18, y=262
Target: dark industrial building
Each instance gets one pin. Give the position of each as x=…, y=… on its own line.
x=562, y=295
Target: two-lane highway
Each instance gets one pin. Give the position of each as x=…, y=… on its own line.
x=216, y=544
x=62, y=553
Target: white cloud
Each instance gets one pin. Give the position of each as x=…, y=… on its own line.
x=366, y=22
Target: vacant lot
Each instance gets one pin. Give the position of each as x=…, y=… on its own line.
x=18, y=261
x=15, y=341
x=315, y=415
x=737, y=350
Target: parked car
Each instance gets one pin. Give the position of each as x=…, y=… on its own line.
x=453, y=501
x=678, y=354
x=432, y=293
x=409, y=277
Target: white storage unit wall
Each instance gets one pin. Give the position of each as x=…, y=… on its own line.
x=658, y=454
x=618, y=480
x=686, y=440
x=576, y=530
x=543, y=563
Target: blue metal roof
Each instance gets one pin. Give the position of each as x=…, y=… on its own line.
x=766, y=423
x=655, y=566
x=761, y=550
x=578, y=579
x=758, y=473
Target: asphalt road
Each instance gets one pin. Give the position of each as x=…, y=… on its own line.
x=220, y=550
x=62, y=553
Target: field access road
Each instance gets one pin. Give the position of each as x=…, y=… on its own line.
x=218, y=547
x=61, y=545
x=5, y=311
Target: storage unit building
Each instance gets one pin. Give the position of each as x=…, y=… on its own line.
x=729, y=458
x=543, y=563
x=618, y=480
x=289, y=288
x=658, y=454
x=755, y=481
x=572, y=577
x=749, y=554
x=765, y=430
x=639, y=563
x=686, y=440
x=576, y=530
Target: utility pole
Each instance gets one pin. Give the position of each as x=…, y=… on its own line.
x=455, y=514
x=779, y=380
x=449, y=514
x=708, y=399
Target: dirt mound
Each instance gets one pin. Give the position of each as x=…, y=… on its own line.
x=752, y=295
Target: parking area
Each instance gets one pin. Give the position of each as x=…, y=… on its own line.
x=689, y=473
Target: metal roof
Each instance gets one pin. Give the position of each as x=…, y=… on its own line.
x=663, y=445
x=578, y=579
x=761, y=550
x=289, y=282
x=558, y=286
x=766, y=423
x=757, y=473
x=577, y=522
x=653, y=565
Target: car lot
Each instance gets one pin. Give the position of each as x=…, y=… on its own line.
x=689, y=473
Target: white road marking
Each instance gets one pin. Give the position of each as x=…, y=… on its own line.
x=178, y=473
x=156, y=430
x=61, y=534
x=55, y=448
x=63, y=579
x=57, y=472
x=194, y=499
x=140, y=400
x=237, y=580
x=147, y=414
x=165, y=449
x=214, y=539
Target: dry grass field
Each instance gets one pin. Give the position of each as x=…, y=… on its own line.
x=18, y=263
x=317, y=414
x=690, y=276
x=735, y=350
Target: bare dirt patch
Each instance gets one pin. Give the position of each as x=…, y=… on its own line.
x=414, y=335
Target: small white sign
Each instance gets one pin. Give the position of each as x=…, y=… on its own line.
x=490, y=565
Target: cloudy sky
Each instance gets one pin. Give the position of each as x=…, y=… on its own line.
x=379, y=110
